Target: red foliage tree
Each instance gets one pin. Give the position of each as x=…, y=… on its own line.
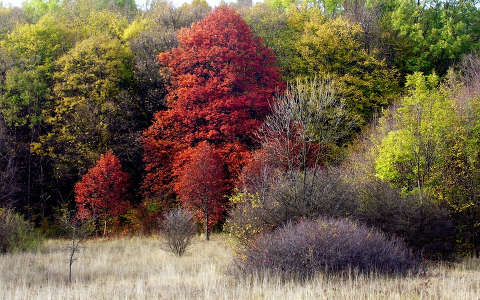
x=201, y=184
x=102, y=190
x=222, y=79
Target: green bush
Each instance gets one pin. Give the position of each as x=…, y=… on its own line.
x=16, y=234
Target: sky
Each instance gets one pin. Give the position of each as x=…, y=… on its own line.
x=140, y=3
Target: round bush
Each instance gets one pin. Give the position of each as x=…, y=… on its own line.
x=333, y=245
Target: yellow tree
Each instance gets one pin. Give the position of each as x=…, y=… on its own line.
x=333, y=49
x=91, y=106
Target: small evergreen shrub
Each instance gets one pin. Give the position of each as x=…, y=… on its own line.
x=178, y=230
x=333, y=245
x=16, y=234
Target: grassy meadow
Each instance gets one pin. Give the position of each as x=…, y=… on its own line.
x=138, y=268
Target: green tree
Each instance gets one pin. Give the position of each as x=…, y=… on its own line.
x=438, y=32
x=36, y=9
x=327, y=7
x=92, y=106
x=82, y=8
x=460, y=176
x=433, y=149
x=273, y=26
x=460, y=166
x=34, y=49
x=102, y=22
x=29, y=54
x=409, y=155
x=308, y=44
x=333, y=49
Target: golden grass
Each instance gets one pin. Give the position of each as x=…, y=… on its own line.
x=137, y=268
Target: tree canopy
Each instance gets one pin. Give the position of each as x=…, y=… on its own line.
x=222, y=78
x=101, y=193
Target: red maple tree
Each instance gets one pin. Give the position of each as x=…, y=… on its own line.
x=200, y=184
x=101, y=192
x=222, y=79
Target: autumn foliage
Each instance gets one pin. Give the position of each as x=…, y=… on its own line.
x=102, y=191
x=200, y=184
x=222, y=79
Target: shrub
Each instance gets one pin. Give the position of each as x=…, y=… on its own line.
x=334, y=245
x=16, y=234
x=276, y=198
x=425, y=227
x=178, y=229
x=249, y=217
x=270, y=199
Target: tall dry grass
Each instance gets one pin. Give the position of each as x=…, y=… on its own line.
x=137, y=268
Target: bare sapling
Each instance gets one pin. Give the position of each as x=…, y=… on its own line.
x=77, y=230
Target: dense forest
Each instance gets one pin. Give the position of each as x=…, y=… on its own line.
x=249, y=116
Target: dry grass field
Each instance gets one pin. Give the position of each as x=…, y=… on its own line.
x=137, y=268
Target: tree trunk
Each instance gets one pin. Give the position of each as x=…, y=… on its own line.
x=104, y=227
x=207, y=233
x=29, y=177
x=476, y=244
x=70, y=264
x=72, y=254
